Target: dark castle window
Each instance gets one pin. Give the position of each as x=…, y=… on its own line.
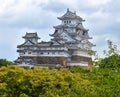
x=67, y=22
x=41, y=53
x=56, y=31
x=29, y=52
x=77, y=30
x=84, y=33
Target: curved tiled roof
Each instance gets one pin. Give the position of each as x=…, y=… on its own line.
x=31, y=35
x=70, y=15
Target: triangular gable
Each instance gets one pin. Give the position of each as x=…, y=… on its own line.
x=56, y=43
x=66, y=36
x=28, y=43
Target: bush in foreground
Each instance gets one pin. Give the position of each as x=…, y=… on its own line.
x=41, y=82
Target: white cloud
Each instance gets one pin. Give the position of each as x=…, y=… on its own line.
x=21, y=8
x=68, y=2
x=113, y=38
x=97, y=2
x=81, y=3
x=20, y=16
x=100, y=14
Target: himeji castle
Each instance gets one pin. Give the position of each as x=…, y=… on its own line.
x=69, y=45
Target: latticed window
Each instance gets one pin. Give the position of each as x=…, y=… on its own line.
x=41, y=53
x=29, y=52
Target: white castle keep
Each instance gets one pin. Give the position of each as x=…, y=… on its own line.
x=69, y=45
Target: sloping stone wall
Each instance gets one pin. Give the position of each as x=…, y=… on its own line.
x=81, y=58
x=52, y=60
x=47, y=60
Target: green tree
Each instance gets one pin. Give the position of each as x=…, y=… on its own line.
x=4, y=62
x=112, y=49
x=112, y=59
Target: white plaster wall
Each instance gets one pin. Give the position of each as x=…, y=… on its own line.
x=55, y=54
x=54, y=48
x=81, y=53
x=87, y=46
x=77, y=64
x=75, y=21
x=51, y=54
x=27, y=54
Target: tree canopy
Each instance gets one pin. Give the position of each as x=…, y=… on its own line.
x=42, y=82
x=4, y=62
x=112, y=57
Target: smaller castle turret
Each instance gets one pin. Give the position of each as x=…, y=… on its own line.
x=31, y=37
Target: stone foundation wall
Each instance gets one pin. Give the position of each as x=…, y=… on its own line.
x=81, y=58
x=55, y=60
x=52, y=60
x=48, y=60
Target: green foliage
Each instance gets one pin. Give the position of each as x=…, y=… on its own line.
x=112, y=59
x=112, y=62
x=112, y=49
x=4, y=62
x=41, y=82
x=23, y=95
x=105, y=82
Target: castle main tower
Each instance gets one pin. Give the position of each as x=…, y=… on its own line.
x=69, y=45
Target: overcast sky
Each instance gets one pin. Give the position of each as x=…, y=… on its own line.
x=20, y=16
